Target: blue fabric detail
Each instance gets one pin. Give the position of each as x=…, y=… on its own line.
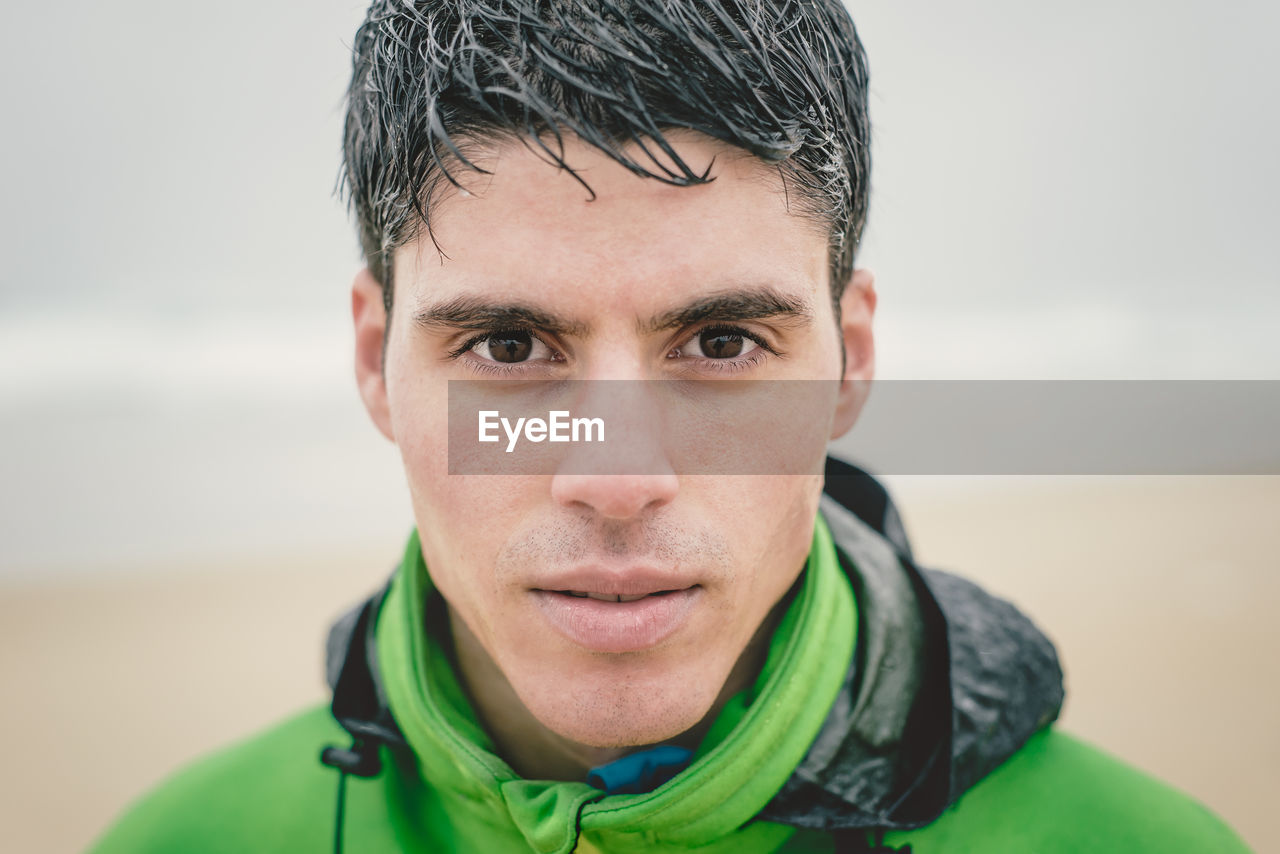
x=640, y=772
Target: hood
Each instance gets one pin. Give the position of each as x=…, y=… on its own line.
x=947, y=682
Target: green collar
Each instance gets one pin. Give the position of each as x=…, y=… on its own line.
x=750, y=751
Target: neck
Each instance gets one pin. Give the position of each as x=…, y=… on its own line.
x=537, y=753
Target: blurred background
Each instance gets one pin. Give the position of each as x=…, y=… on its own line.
x=190, y=490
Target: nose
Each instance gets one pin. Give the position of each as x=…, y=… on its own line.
x=628, y=475
x=615, y=496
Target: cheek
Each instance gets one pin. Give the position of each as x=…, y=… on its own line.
x=796, y=513
x=462, y=522
x=421, y=430
x=770, y=518
x=459, y=518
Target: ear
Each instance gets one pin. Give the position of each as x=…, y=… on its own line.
x=857, y=308
x=370, y=317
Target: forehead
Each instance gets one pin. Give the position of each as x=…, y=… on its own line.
x=528, y=229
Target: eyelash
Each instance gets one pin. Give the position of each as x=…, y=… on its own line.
x=484, y=336
x=719, y=365
x=728, y=366
x=496, y=368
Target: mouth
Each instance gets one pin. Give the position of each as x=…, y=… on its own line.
x=611, y=597
x=617, y=615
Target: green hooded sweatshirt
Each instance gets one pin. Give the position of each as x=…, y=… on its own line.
x=443, y=789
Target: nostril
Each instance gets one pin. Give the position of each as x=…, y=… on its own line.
x=615, y=496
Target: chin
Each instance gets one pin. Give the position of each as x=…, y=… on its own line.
x=623, y=712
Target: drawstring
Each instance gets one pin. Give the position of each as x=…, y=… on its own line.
x=360, y=760
x=339, y=813
x=853, y=841
x=358, y=705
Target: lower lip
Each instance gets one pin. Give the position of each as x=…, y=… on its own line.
x=618, y=626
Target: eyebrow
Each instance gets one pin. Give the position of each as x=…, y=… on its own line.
x=479, y=314
x=735, y=306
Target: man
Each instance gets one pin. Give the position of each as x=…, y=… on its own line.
x=685, y=652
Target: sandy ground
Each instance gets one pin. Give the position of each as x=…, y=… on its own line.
x=1161, y=593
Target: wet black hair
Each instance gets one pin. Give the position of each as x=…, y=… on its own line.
x=785, y=80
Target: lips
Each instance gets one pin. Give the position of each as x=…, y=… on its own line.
x=611, y=597
x=617, y=612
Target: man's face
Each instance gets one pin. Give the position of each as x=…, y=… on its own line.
x=606, y=282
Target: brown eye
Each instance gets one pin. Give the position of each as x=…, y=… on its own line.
x=720, y=344
x=509, y=346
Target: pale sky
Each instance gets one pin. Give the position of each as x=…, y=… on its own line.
x=1084, y=190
